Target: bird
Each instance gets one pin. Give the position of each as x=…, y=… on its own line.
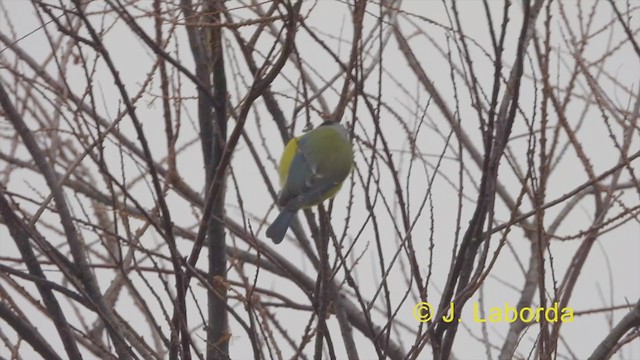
x=312, y=169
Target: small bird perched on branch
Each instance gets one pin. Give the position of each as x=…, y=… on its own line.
x=312, y=169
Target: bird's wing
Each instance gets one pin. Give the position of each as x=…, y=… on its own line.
x=304, y=186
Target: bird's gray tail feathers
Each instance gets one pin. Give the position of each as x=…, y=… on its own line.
x=279, y=226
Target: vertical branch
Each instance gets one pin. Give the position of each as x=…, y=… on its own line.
x=473, y=238
x=358, y=18
x=217, y=328
x=538, y=186
x=322, y=291
x=206, y=48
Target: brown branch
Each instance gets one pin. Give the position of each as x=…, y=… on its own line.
x=628, y=322
x=75, y=243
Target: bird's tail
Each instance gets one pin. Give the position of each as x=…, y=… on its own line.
x=280, y=225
